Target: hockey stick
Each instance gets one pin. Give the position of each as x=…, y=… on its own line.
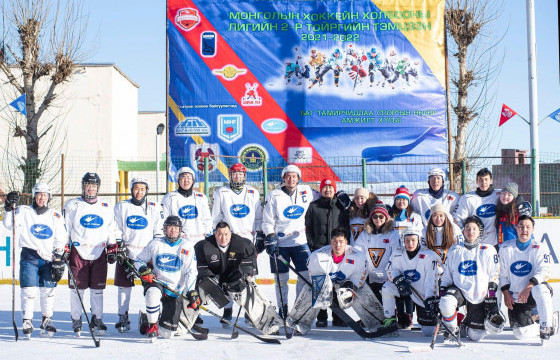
x=200, y=329
x=284, y=315
x=347, y=319
x=165, y=286
x=234, y=332
x=96, y=341
x=202, y=336
x=16, y=332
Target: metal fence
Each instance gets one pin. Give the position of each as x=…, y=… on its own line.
x=378, y=177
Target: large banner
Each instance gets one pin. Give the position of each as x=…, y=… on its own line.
x=307, y=82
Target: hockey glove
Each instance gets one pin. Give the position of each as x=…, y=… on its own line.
x=260, y=238
x=491, y=306
x=122, y=252
x=111, y=253
x=57, y=268
x=343, y=199
x=349, y=285
x=403, y=286
x=271, y=245
x=235, y=286
x=130, y=275
x=345, y=297
x=431, y=307
x=193, y=299
x=146, y=274
x=12, y=200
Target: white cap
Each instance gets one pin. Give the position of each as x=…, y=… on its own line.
x=186, y=169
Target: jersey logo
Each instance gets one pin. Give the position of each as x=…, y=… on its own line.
x=168, y=262
x=184, y=252
x=293, y=212
x=486, y=211
x=188, y=212
x=104, y=204
x=356, y=230
x=231, y=254
x=468, y=268
x=442, y=253
x=152, y=204
x=57, y=214
x=136, y=222
x=376, y=254
x=427, y=214
x=91, y=221
x=421, y=256
x=41, y=231
x=250, y=191
x=450, y=197
x=521, y=268
x=239, y=210
x=412, y=275
x=350, y=261
x=337, y=276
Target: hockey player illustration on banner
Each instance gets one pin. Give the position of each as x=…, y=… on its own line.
x=316, y=61
x=91, y=230
x=470, y=278
x=41, y=235
x=171, y=260
x=138, y=221
x=524, y=274
x=334, y=63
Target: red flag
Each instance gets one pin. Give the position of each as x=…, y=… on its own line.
x=507, y=113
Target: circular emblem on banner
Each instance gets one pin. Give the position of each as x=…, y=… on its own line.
x=251, y=156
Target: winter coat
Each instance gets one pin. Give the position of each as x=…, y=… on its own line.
x=322, y=217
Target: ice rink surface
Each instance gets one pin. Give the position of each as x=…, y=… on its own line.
x=327, y=343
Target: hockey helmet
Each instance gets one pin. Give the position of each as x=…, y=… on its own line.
x=90, y=178
x=336, y=52
x=524, y=208
x=237, y=168
x=41, y=188
x=411, y=230
x=476, y=220
x=186, y=169
x=494, y=324
x=172, y=220
x=436, y=171
x=291, y=168
x=373, y=50
x=138, y=180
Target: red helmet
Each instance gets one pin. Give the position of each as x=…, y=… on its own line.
x=237, y=167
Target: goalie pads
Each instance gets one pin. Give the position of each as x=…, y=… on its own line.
x=302, y=315
x=321, y=291
x=210, y=289
x=368, y=307
x=188, y=316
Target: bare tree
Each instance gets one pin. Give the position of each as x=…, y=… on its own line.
x=42, y=43
x=474, y=68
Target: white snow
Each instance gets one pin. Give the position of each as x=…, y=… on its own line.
x=329, y=343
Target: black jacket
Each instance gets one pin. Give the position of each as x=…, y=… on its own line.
x=324, y=215
x=211, y=261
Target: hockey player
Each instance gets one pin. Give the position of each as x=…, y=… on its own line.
x=378, y=241
x=284, y=227
x=174, y=263
x=338, y=273
x=470, y=278
x=359, y=212
x=482, y=203
x=441, y=232
x=317, y=60
x=91, y=231
x=190, y=205
x=334, y=63
x=138, y=221
x=227, y=263
x=41, y=235
x=524, y=274
x=375, y=63
x=413, y=270
x=424, y=199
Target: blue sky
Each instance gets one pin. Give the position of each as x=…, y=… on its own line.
x=131, y=34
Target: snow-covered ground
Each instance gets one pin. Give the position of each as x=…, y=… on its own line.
x=329, y=343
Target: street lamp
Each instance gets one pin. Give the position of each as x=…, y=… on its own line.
x=159, y=131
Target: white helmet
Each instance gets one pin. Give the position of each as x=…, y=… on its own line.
x=495, y=324
x=139, y=180
x=291, y=168
x=186, y=169
x=411, y=230
x=41, y=188
x=436, y=171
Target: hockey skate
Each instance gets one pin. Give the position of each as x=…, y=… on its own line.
x=27, y=328
x=448, y=338
x=123, y=325
x=228, y=314
x=547, y=331
x=47, y=327
x=152, y=332
x=98, y=326
x=77, y=326
x=142, y=322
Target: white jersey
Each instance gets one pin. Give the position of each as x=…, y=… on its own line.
x=356, y=228
x=483, y=207
x=414, y=221
x=242, y=212
x=43, y=233
x=138, y=224
x=422, y=271
x=194, y=212
x=353, y=266
x=378, y=249
x=471, y=270
x=173, y=264
x=422, y=202
x=457, y=235
x=284, y=215
x=517, y=267
x=91, y=227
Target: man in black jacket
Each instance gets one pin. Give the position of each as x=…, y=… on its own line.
x=323, y=216
x=226, y=264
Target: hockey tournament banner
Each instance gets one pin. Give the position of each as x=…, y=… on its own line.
x=307, y=83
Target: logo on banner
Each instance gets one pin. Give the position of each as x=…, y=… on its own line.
x=230, y=127
x=251, y=97
x=252, y=156
x=274, y=126
x=229, y=72
x=41, y=231
x=200, y=151
x=208, y=44
x=187, y=19
x=192, y=126
x=300, y=155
